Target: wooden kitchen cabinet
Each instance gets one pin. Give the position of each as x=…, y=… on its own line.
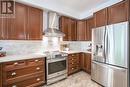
x=0, y=75
x=73, y=63
x=81, y=60
x=24, y=73
x=68, y=27
x=85, y=62
x=35, y=24
x=90, y=25
x=81, y=30
x=3, y=28
x=26, y=25
x=118, y=12
x=64, y=27
x=100, y=18
x=17, y=26
x=72, y=31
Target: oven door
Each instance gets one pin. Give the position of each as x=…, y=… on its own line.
x=56, y=67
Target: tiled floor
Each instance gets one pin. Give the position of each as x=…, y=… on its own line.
x=80, y=79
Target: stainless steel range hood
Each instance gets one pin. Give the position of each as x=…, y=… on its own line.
x=53, y=26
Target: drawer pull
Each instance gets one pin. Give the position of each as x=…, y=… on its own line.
x=14, y=86
x=36, y=60
x=38, y=68
x=16, y=63
x=38, y=79
x=72, y=63
x=73, y=55
x=72, y=68
x=13, y=74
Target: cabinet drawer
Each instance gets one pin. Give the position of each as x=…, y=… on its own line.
x=73, y=55
x=73, y=60
x=31, y=82
x=36, y=62
x=25, y=71
x=14, y=65
x=73, y=69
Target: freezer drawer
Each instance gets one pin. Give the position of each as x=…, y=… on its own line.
x=99, y=73
x=109, y=76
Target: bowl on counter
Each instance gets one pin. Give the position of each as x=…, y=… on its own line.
x=2, y=53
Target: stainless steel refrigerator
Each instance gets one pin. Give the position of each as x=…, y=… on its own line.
x=110, y=55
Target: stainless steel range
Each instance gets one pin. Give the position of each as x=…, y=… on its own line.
x=56, y=66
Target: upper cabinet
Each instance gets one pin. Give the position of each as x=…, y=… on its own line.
x=81, y=30
x=27, y=24
x=72, y=33
x=4, y=28
x=90, y=25
x=68, y=26
x=114, y=14
x=100, y=18
x=35, y=24
x=64, y=27
x=118, y=12
x=17, y=26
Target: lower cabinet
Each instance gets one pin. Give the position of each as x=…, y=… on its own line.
x=79, y=61
x=73, y=63
x=24, y=73
x=85, y=62
x=0, y=75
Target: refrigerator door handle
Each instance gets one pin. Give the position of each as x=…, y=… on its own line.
x=105, y=44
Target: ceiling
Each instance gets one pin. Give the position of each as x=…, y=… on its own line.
x=78, y=9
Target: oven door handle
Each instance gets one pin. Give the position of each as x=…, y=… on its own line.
x=56, y=60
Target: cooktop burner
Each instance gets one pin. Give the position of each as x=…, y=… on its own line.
x=55, y=54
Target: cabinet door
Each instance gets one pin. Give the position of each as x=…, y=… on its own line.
x=118, y=12
x=17, y=26
x=1, y=29
x=64, y=27
x=100, y=18
x=0, y=75
x=87, y=62
x=35, y=23
x=72, y=36
x=4, y=22
x=82, y=61
x=81, y=30
x=90, y=25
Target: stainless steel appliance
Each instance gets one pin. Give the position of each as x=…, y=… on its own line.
x=56, y=66
x=110, y=55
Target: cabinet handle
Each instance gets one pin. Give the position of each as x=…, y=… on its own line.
x=38, y=68
x=13, y=74
x=72, y=63
x=72, y=68
x=16, y=63
x=38, y=79
x=14, y=86
x=73, y=55
x=36, y=60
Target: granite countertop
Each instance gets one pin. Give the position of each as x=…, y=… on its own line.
x=21, y=57
x=9, y=58
x=71, y=52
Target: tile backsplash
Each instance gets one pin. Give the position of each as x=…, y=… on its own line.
x=78, y=45
x=18, y=47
